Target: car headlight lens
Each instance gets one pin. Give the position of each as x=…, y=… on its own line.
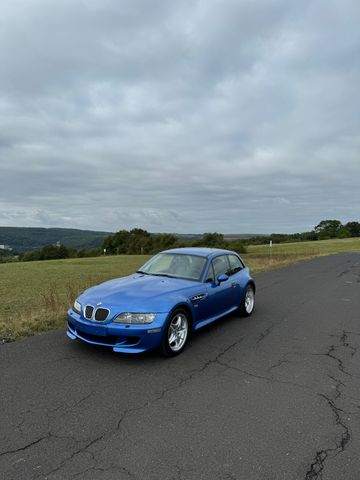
x=135, y=318
x=77, y=307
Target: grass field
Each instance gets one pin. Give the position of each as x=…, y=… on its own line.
x=323, y=247
x=35, y=295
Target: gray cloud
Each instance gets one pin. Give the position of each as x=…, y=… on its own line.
x=179, y=116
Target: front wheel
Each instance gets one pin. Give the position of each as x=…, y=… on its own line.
x=248, y=303
x=175, y=334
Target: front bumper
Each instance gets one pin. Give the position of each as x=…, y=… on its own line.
x=120, y=337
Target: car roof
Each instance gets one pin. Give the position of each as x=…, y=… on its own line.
x=200, y=251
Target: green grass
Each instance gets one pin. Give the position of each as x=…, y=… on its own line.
x=35, y=295
x=322, y=247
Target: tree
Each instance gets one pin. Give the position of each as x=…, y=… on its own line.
x=163, y=241
x=138, y=241
x=236, y=245
x=212, y=240
x=353, y=228
x=329, y=229
x=117, y=243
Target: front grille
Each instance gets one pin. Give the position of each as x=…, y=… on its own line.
x=101, y=314
x=88, y=313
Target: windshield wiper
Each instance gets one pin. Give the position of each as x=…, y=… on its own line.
x=155, y=274
x=162, y=275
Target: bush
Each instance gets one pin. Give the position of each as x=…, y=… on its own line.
x=49, y=252
x=211, y=240
x=237, y=245
x=88, y=252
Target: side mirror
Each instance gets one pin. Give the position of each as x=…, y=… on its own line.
x=222, y=278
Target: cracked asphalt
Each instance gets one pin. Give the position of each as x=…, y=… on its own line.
x=274, y=396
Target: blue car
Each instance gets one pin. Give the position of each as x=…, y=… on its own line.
x=175, y=293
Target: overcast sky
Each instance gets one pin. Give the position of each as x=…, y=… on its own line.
x=189, y=116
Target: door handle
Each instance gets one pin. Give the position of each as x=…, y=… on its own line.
x=233, y=284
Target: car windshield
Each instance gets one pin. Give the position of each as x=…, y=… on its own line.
x=175, y=265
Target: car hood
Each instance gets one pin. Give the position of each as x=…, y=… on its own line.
x=139, y=293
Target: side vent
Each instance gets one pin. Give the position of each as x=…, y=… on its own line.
x=197, y=298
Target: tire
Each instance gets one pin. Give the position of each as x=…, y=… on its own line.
x=248, y=304
x=176, y=333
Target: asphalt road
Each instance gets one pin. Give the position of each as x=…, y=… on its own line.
x=275, y=396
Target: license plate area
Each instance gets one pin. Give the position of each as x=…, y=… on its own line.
x=93, y=330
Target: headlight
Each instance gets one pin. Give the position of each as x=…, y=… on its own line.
x=77, y=307
x=135, y=318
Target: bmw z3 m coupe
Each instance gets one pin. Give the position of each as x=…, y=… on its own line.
x=175, y=293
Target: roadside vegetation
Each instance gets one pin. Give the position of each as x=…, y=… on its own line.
x=322, y=247
x=133, y=242
x=325, y=230
x=138, y=241
x=36, y=295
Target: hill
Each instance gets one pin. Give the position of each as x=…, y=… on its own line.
x=23, y=239
x=26, y=239
x=227, y=236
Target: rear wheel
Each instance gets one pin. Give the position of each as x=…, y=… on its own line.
x=176, y=333
x=248, y=303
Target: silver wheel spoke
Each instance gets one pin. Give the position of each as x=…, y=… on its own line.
x=177, y=333
x=249, y=300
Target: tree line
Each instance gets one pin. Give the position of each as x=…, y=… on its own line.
x=138, y=241
x=54, y=252
x=325, y=230
x=133, y=242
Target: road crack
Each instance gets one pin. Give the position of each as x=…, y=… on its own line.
x=128, y=412
x=315, y=472
x=25, y=447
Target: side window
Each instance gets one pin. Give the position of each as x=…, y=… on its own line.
x=235, y=264
x=220, y=265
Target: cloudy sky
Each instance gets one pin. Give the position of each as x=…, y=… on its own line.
x=188, y=116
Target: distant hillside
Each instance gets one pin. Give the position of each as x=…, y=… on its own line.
x=26, y=239
x=22, y=239
x=242, y=236
x=227, y=236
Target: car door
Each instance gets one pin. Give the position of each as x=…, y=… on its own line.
x=236, y=278
x=220, y=295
